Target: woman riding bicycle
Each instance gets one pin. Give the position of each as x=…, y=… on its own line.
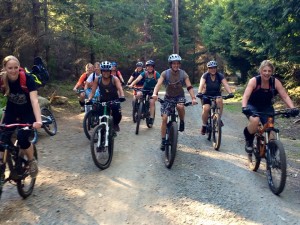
x=258, y=97
x=89, y=68
x=210, y=84
x=150, y=77
x=109, y=87
x=174, y=79
x=139, y=69
x=22, y=106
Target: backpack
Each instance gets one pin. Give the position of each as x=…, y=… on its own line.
x=168, y=74
x=39, y=72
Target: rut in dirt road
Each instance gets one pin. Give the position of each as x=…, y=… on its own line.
x=204, y=186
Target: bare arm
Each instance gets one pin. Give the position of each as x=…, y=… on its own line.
x=36, y=109
x=201, y=85
x=119, y=87
x=250, y=87
x=136, y=80
x=283, y=94
x=190, y=90
x=226, y=86
x=157, y=87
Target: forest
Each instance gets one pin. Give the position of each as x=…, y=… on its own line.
x=68, y=34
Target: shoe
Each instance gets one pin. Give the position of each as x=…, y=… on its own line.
x=33, y=168
x=116, y=127
x=82, y=109
x=163, y=145
x=150, y=121
x=203, y=130
x=181, y=126
x=221, y=123
x=249, y=147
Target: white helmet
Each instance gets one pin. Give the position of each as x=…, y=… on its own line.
x=212, y=64
x=174, y=57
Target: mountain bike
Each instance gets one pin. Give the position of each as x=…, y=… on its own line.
x=102, y=139
x=214, y=124
x=142, y=105
x=171, y=132
x=13, y=163
x=267, y=145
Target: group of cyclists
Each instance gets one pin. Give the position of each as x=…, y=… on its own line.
x=104, y=80
x=258, y=95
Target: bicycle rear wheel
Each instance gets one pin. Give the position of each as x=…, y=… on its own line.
x=101, y=154
x=25, y=184
x=171, y=146
x=139, y=117
x=254, y=158
x=276, y=166
x=49, y=122
x=216, y=131
x=90, y=120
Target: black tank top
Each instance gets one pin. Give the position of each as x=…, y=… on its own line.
x=107, y=92
x=261, y=97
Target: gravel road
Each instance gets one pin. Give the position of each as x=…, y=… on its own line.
x=204, y=186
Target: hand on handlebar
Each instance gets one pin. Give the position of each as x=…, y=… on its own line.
x=199, y=95
x=230, y=95
x=122, y=99
x=294, y=112
x=246, y=111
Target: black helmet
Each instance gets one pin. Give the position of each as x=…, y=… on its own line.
x=150, y=63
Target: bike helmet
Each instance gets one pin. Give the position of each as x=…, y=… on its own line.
x=150, y=63
x=140, y=64
x=114, y=64
x=174, y=57
x=105, y=66
x=212, y=64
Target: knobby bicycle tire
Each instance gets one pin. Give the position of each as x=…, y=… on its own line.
x=209, y=128
x=51, y=126
x=147, y=119
x=33, y=136
x=276, y=166
x=171, y=147
x=254, y=158
x=216, y=131
x=102, y=156
x=134, y=111
x=25, y=184
x=90, y=121
x=139, y=117
x=1, y=180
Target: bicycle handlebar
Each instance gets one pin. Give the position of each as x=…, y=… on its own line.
x=283, y=112
x=214, y=97
x=23, y=125
x=174, y=102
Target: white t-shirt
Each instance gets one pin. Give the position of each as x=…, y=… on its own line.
x=90, y=78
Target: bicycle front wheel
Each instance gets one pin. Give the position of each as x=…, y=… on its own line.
x=276, y=166
x=209, y=128
x=216, y=131
x=171, y=146
x=49, y=122
x=101, y=154
x=134, y=111
x=150, y=125
x=25, y=184
x=33, y=136
x=90, y=120
x=139, y=117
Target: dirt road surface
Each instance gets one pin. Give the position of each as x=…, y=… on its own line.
x=203, y=187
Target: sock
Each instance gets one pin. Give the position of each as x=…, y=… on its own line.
x=249, y=137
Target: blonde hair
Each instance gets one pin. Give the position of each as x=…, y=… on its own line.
x=3, y=75
x=266, y=63
x=88, y=65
